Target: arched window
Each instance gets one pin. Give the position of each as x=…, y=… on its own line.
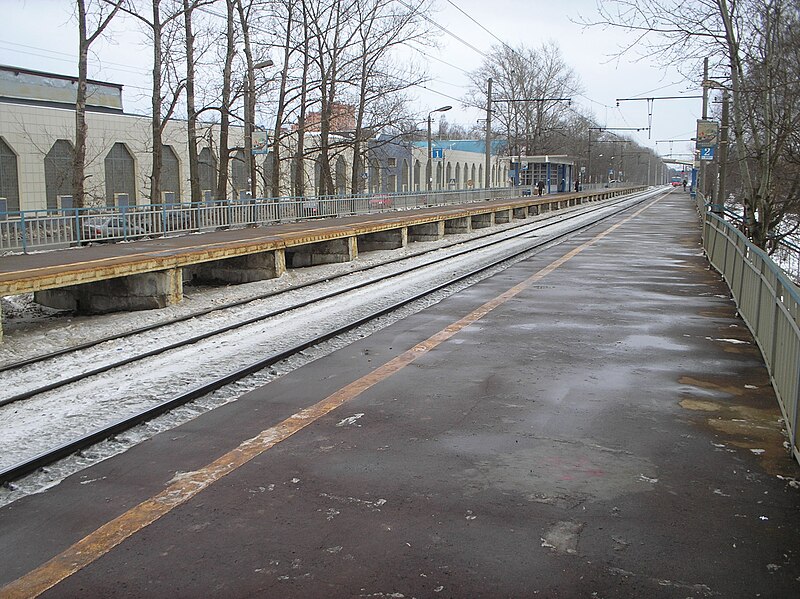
x=9, y=182
x=479, y=181
x=417, y=182
x=475, y=182
x=437, y=183
x=318, y=175
x=458, y=184
x=240, y=179
x=207, y=167
x=341, y=176
x=120, y=176
x=428, y=174
x=170, y=177
x=448, y=174
x=58, y=174
x=404, y=176
x=374, y=176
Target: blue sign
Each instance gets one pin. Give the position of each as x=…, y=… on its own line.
x=437, y=153
x=707, y=153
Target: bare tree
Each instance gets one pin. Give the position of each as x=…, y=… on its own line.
x=381, y=26
x=531, y=86
x=100, y=15
x=162, y=28
x=746, y=42
x=191, y=108
x=225, y=101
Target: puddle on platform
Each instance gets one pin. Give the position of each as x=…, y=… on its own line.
x=757, y=428
x=712, y=386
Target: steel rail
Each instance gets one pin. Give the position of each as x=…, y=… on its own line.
x=65, y=449
x=270, y=314
x=270, y=294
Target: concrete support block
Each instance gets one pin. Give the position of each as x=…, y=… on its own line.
x=503, y=216
x=324, y=252
x=136, y=292
x=383, y=240
x=533, y=210
x=426, y=232
x=456, y=226
x=482, y=221
x=237, y=270
x=520, y=212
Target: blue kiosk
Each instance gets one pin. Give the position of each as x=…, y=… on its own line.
x=557, y=172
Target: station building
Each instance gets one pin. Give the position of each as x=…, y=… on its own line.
x=37, y=131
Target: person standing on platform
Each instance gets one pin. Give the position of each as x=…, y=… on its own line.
x=540, y=187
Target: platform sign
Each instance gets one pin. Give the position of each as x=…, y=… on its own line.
x=707, y=153
x=437, y=153
x=260, y=142
x=707, y=133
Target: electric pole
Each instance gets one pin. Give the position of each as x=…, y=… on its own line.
x=487, y=175
x=723, y=149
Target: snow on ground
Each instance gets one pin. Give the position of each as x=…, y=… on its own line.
x=64, y=413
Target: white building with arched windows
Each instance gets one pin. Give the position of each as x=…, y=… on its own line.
x=37, y=132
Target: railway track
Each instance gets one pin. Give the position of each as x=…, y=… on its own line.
x=421, y=274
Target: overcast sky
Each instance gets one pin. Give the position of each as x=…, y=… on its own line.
x=41, y=35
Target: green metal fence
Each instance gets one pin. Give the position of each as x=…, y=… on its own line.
x=768, y=302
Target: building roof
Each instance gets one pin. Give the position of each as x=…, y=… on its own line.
x=5, y=67
x=52, y=89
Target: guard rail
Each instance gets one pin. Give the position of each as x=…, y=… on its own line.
x=769, y=303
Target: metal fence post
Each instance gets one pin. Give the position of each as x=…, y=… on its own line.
x=24, y=232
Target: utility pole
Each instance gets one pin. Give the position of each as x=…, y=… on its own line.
x=723, y=149
x=487, y=173
x=702, y=184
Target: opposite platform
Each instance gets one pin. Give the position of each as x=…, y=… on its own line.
x=594, y=421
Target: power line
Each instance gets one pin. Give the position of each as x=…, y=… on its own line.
x=471, y=18
x=67, y=57
x=444, y=29
x=440, y=60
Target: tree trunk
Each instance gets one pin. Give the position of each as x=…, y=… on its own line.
x=191, y=121
x=158, y=151
x=249, y=103
x=299, y=184
x=224, y=126
x=275, y=184
x=79, y=158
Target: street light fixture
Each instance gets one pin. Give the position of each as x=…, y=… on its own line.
x=249, y=120
x=430, y=151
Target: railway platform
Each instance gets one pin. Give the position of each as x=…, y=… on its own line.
x=594, y=421
x=149, y=274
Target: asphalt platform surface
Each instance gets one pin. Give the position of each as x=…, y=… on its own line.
x=594, y=422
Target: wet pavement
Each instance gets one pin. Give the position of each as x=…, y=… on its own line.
x=594, y=421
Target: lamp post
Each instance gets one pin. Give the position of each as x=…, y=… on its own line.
x=718, y=202
x=249, y=120
x=430, y=151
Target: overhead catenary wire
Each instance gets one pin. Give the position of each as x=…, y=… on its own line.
x=481, y=25
x=446, y=30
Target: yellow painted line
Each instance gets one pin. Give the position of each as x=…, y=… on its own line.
x=104, y=539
